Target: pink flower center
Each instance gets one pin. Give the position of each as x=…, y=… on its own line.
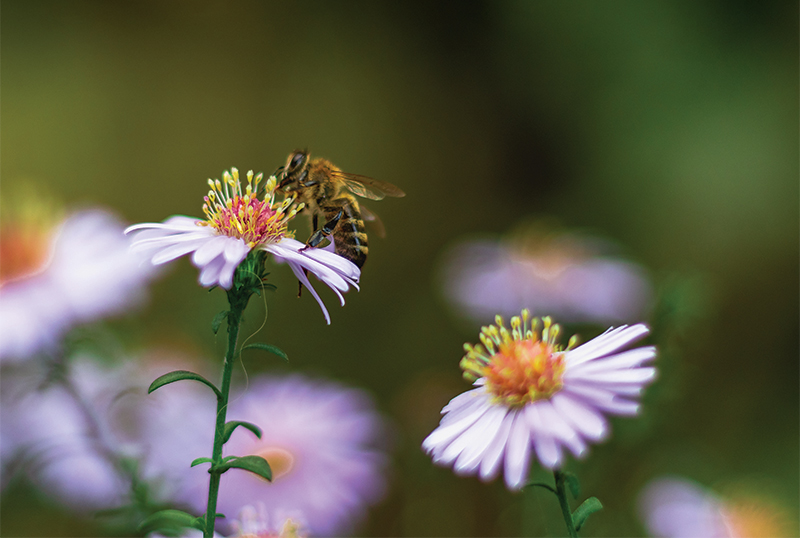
x=239, y=213
x=519, y=366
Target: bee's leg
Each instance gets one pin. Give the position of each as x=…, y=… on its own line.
x=317, y=237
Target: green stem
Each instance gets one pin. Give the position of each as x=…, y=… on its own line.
x=561, y=493
x=238, y=304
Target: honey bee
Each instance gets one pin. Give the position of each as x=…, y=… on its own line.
x=327, y=193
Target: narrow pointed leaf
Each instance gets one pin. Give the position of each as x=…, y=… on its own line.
x=268, y=347
x=179, y=375
x=232, y=425
x=587, y=508
x=218, y=319
x=200, y=521
x=541, y=485
x=198, y=461
x=255, y=464
x=573, y=484
x=167, y=520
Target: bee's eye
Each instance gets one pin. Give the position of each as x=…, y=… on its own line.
x=297, y=160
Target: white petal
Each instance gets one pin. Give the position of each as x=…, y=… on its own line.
x=225, y=278
x=462, y=402
x=586, y=420
x=209, y=274
x=603, y=399
x=493, y=457
x=236, y=251
x=624, y=360
x=634, y=375
x=175, y=251
x=444, y=434
x=298, y=272
x=606, y=343
x=518, y=452
x=210, y=250
x=542, y=417
x=480, y=436
x=547, y=451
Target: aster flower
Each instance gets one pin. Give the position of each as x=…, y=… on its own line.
x=674, y=507
x=53, y=277
x=564, y=275
x=255, y=522
x=320, y=439
x=534, y=396
x=238, y=223
x=59, y=435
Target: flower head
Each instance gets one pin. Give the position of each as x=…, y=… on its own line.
x=321, y=440
x=239, y=224
x=565, y=275
x=56, y=273
x=533, y=394
x=674, y=507
x=60, y=435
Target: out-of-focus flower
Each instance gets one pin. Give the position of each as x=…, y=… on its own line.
x=55, y=277
x=562, y=275
x=237, y=222
x=674, y=507
x=255, y=522
x=58, y=434
x=320, y=439
x=533, y=394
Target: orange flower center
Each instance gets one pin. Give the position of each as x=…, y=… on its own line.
x=280, y=460
x=519, y=366
x=23, y=251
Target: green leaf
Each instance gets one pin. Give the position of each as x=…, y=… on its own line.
x=232, y=425
x=268, y=347
x=573, y=484
x=582, y=513
x=200, y=521
x=198, y=461
x=168, y=520
x=542, y=485
x=255, y=464
x=218, y=319
x=179, y=375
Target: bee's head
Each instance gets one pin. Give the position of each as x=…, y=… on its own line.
x=292, y=170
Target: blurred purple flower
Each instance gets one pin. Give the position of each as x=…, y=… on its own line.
x=675, y=507
x=59, y=434
x=84, y=271
x=320, y=438
x=238, y=222
x=533, y=395
x=565, y=276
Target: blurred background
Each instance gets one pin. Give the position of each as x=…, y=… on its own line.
x=668, y=129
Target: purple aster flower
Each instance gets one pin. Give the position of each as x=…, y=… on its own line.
x=564, y=275
x=237, y=222
x=53, y=278
x=534, y=396
x=59, y=434
x=674, y=507
x=321, y=440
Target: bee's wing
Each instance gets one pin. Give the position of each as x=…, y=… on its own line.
x=374, y=220
x=368, y=187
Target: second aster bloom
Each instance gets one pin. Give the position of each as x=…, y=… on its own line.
x=56, y=274
x=238, y=223
x=534, y=396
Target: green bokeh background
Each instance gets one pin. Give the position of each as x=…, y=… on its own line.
x=669, y=127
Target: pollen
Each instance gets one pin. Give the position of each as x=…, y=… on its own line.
x=237, y=212
x=520, y=366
